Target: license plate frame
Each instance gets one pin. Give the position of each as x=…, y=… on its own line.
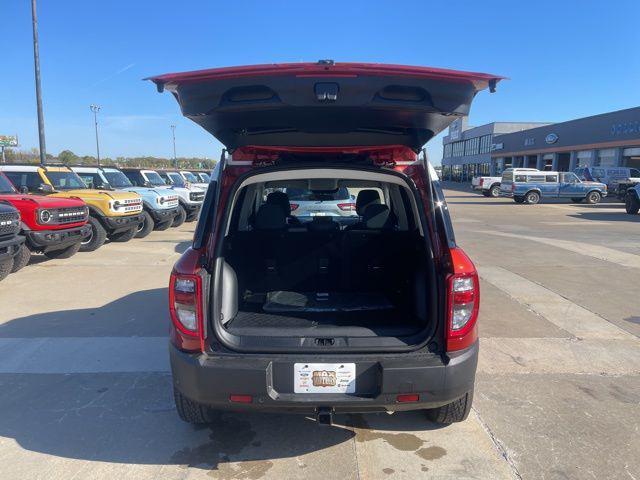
x=324, y=378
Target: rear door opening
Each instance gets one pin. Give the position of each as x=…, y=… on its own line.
x=322, y=279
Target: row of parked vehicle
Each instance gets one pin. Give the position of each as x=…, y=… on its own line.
x=58, y=210
x=529, y=185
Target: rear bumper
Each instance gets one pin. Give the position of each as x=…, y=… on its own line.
x=211, y=379
x=163, y=215
x=8, y=248
x=116, y=224
x=56, y=239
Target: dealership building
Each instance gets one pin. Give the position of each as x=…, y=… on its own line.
x=606, y=140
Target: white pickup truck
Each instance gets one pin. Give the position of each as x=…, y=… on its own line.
x=490, y=186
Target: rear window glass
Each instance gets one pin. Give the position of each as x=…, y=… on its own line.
x=536, y=178
x=315, y=196
x=521, y=178
x=507, y=177
x=552, y=178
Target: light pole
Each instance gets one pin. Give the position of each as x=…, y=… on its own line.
x=95, y=109
x=173, y=134
x=36, y=62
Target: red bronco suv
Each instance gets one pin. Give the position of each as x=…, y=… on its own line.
x=52, y=226
x=321, y=313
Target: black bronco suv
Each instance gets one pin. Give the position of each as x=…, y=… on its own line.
x=282, y=308
x=10, y=240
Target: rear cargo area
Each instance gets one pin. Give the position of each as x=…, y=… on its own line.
x=355, y=283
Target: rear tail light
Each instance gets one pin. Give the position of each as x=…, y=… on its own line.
x=513, y=187
x=463, y=301
x=481, y=182
x=234, y=398
x=407, y=398
x=185, y=307
x=294, y=206
x=347, y=207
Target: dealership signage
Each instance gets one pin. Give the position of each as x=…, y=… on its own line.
x=8, y=141
x=625, y=128
x=551, y=138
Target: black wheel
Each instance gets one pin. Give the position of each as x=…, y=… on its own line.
x=21, y=258
x=456, y=411
x=146, y=226
x=96, y=238
x=577, y=200
x=494, y=191
x=593, y=197
x=532, y=198
x=5, y=268
x=190, y=411
x=161, y=227
x=67, y=252
x=192, y=217
x=632, y=204
x=123, y=236
x=518, y=199
x=180, y=217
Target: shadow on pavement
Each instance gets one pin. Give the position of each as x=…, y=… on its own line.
x=607, y=216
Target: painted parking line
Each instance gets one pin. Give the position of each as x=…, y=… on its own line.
x=596, y=251
x=68, y=355
x=558, y=310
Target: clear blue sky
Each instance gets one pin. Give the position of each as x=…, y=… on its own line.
x=565, y=59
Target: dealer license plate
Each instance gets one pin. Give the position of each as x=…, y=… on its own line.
x=324, y=378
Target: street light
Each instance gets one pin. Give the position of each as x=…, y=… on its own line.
x=95, y=109
x=36, y=63
x=173, y=134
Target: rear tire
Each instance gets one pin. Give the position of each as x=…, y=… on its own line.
x=192, y=217
x=5, y=268
x=518, y=199
x=485, y=193
x=190, y=411
x=632, y=204
x=21, y=258
x=532, y=198
x=593, y=198
x=180, y=217
x=125, y=236
x=494, y=191
x=161, y=227
x=456, y=411
x=146, y=227
x=67, y=252
x=577, y=200
x=96, y=238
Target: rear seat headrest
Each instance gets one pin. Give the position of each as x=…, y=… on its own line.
x=366, y=198
x=281, y=199
x=377, y=216
x=270, y=217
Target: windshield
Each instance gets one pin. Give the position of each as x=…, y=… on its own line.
x=117, y=179
x=176, y=179
x=5, y=185
x=154, y=179
x=65, y=180
x=190, y=177
x=317, y=195
x=205, y=177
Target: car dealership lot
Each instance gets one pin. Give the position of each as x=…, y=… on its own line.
x=85, y=390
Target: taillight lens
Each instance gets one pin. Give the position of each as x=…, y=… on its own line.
x=463, y=301
x=513, y=187
x=347, y=207
x=185, y=306
x=481, y=182
x=294, y=206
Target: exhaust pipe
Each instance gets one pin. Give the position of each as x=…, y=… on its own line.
x=324, y=416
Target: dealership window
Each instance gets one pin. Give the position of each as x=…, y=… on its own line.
x=447, y=150
x=458, y=149
x=485, y=144
x=607, y=157
x=471, y=146
x=584, y=158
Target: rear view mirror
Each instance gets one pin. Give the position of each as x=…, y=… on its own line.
x=45, y=188
x=24, y=189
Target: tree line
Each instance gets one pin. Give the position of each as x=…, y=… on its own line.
x=69, y=158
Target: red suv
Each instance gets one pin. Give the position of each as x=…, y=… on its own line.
x=52, y=226
x=313, y=313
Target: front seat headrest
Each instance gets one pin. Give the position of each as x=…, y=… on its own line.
x=366, y=198
x=281, y=199
x=270, y=217
x=377, y=216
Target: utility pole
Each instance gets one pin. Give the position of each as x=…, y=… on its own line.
x=175, y=158
x=36, y=62
x=95, y=109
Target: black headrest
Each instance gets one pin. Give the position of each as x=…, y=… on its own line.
x=270, y=217
x=366, y=198
x=377, y=216
x=323, y=224
x=281, y=199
